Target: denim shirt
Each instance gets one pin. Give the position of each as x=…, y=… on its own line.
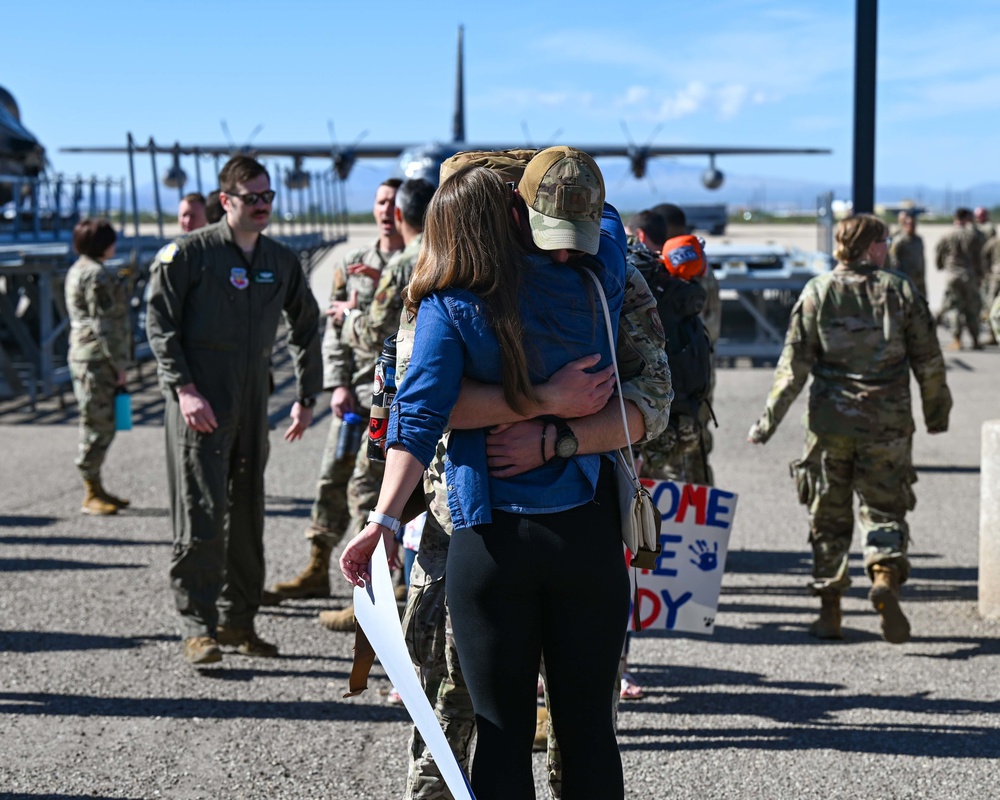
x=563, y=321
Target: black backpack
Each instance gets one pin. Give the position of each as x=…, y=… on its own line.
x=689, y=348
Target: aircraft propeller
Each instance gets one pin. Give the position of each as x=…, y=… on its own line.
x=343, y=157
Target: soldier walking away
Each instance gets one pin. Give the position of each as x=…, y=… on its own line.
x=98, y=352
x=859, y=330
x=906, y=254
x=217, y=298
x=348, y=372
x=959, y=254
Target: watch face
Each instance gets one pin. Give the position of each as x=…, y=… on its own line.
x=566, y=446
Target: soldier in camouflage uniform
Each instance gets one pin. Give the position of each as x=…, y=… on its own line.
x=906, y=255
x=991, y=266
x=859, y=330
x=98, y=352
x=959, y=253
x=344, y=494
x=646, y=382
x=365, y=332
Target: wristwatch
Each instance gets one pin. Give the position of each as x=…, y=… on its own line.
x=566, y=442
x=307, y=402
x=385, y=521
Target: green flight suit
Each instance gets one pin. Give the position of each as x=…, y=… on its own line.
x=859, y=331
x=212, y=321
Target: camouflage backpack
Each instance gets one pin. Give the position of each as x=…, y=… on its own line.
x=689, y=350
x=508, y=164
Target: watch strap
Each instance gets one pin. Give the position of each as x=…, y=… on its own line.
x=385, y=521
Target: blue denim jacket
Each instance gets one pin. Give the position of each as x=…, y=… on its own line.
x=563, y=321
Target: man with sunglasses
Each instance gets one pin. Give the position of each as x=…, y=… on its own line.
x=217, y=297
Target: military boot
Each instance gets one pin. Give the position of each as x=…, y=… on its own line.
x=246, y=641
x=827, y=626
x=956, y=344
x=201, y=650
x=342, y=620
x=884, y=596
x=314, y=580
x=121, y=502
x=94, y=503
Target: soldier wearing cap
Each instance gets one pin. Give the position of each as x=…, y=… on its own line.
x=217, y=297
x=567, y=394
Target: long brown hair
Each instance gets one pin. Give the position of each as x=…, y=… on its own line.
x=470, y=242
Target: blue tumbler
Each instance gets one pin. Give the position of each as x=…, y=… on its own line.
x=123, y=409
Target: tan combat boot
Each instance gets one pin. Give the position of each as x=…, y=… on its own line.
x=884, y=596
x=827, y=626
x=342, y=620
x=246, y=641
x=314, y=580
x=956, y=344
x=201, y=650
x=121, y=502
x=94, y=503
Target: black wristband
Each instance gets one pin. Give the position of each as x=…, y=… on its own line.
x=307, y=402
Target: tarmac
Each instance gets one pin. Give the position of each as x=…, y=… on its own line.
x=96, y=702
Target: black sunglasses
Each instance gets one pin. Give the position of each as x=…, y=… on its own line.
x=251, y=198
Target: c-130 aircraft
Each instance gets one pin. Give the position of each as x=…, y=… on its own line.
x=424, y=160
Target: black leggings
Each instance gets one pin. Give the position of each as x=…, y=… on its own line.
x=553, y=585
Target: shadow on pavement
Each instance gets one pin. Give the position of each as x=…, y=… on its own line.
x=44, y=564
x=88, y=541
x=54, y=641
x=26, y=521
x=70, y=705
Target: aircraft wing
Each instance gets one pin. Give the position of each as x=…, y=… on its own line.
x=289, y=150
x=600, y=150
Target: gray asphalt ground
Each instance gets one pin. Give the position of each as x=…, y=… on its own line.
x=95, y=700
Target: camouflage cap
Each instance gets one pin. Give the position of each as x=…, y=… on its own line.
x=564, y=190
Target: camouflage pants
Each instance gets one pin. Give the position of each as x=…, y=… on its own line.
x=431, y=642
x=962, y=305
x=685, y=460
x=832, y=470
x=347, y=488
x=94, y=387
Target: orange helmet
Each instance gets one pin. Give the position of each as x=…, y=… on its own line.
x=684, y=256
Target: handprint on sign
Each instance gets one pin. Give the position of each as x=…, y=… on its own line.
x=707, y=560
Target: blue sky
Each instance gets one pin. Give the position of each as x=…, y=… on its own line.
x=753, y=72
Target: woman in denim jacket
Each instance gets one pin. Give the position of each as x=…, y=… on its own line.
x=524, y=544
